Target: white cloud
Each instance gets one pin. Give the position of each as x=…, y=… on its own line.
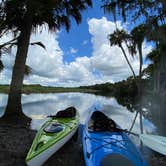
x=110, y=60
x=73, y=50
x=48, y=67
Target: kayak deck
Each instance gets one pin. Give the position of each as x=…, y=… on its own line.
x=44, y=140
x=102, y=147
x=104, y=143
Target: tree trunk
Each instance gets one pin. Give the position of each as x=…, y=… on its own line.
x=14, y=107
x=124, y=53
x=155, y=80
x=140, y=87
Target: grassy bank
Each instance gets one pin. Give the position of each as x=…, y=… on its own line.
x=47, y=89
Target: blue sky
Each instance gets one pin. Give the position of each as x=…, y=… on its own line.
x=77, y=42
x=81, y=57
x=78, y=37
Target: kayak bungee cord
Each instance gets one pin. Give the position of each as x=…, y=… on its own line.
x=107, y=143
x=104, y=145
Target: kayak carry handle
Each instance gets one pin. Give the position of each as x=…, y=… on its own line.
x=39, y=145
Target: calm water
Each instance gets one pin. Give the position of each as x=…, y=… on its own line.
x=39, y=106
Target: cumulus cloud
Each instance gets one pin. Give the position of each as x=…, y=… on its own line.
x=110, y=60
x=48, y=67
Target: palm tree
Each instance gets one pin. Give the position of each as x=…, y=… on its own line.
x=150, y=12
x=134, y=42
x=137, y=38
x=23, y=17
x=119, y=37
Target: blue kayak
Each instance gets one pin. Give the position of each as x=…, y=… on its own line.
x=106, y=147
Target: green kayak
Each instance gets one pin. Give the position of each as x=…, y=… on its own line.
x=51, y=137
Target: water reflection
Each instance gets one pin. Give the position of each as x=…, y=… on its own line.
x=39, y=106
x=3, y=102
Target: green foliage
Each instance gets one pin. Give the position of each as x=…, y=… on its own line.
x=54, y=13
x=118, y=37
x=138, y=35
x=125, y=88
x=151, y=15
x=148, y=72
x=39, y=44
x=148, y=11
x=28, y=70
x=37, y=88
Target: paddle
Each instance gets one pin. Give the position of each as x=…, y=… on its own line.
x=155, y=142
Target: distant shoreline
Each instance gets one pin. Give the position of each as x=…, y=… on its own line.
x=47, y=89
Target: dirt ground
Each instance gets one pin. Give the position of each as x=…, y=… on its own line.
x=15, y=142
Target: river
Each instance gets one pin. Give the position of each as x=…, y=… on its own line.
x=39, y=106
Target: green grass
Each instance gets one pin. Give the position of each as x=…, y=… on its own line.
x=46, y=89
x=4, y=88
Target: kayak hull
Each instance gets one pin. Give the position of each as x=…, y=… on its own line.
x=45, y=155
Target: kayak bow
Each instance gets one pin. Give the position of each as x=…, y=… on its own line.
x=50, y=138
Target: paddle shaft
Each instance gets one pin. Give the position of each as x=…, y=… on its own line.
x=124, y=130
x=137, y=135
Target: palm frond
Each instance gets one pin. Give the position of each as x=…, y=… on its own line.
x=39, y=44
x=1, y=66
x=118, y=37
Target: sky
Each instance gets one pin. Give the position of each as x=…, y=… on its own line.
x=81, y=57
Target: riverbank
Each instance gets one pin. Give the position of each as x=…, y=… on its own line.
x=46, y=89
x=14, y=145
x=16, y=141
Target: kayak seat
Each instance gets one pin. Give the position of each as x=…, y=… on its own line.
x=69, y=112
x=100, y=122
x=53, y=128
x=116, y=160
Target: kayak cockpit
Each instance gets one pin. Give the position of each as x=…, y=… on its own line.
x=54, y=128
x=69, y=112
x=99, y=122
x=116, y=159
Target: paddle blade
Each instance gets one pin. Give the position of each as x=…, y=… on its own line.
x=155, y=142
